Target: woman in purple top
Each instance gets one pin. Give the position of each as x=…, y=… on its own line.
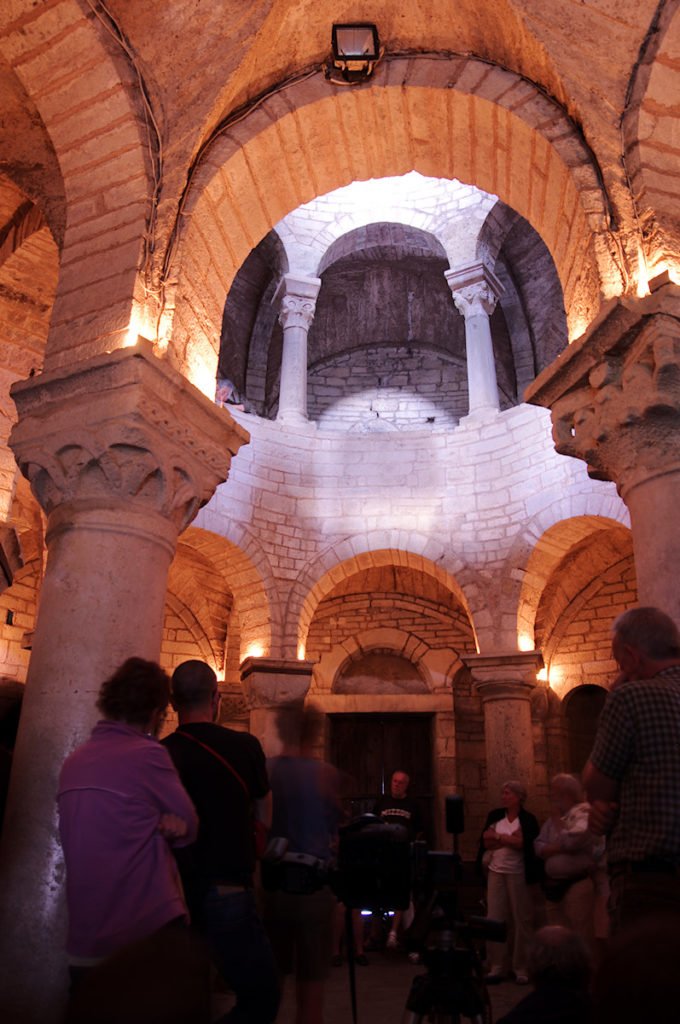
x=121, y=807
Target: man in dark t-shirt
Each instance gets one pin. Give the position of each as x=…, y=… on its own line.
x=399, y=809
x=225, y=774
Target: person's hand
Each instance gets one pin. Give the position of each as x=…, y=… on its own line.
x=602, y=816
x=491, y=839
x=171, y=826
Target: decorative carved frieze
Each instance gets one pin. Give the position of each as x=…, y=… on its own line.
x=124, y=429
x=615, y=396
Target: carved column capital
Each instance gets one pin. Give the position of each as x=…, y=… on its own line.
x=297, y=295
x=270, y=682
x=614, y=395
x=122, y=432
x=475, y=289
x=273, y=684
x=504, y=676
x=296, y=312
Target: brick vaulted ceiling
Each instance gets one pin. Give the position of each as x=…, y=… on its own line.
x=160, y=78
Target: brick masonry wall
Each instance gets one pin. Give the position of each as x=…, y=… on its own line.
x=387, y=388
x=338, y=619
x=19, y=599
x=582, y=638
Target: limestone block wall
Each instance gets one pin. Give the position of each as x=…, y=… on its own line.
x=351, y=614
x=583, y=648
x=181, y=643
x=467, y=505
x=387, y=388
x=20, y=599
x=474, y=501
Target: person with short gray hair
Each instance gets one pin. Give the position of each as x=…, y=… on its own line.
x=632, y=777
x=649, y=631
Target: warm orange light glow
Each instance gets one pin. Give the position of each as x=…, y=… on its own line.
x=642, y=274
x=254, y=650
x=556, y=679
x=140, y=326
x=525, y=642
x=130, y=339
x=542, y=675
x=664, y=267
x=301, y=651
x=577, y=327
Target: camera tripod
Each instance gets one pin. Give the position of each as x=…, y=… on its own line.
x=453, y=989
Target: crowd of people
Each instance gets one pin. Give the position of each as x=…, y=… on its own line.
x=607, y=860
x=160, y=841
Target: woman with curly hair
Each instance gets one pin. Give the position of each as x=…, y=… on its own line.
x=121, y=808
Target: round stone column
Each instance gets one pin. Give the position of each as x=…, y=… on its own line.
x=615, y=403
x=654, y=506
x=121, y=453
x=505, y=683
x=298, y=302
x=270, y=684
x=475, y=291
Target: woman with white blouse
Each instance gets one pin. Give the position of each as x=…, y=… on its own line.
x=507, y=849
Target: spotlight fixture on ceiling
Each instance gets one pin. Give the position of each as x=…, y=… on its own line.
x=356, y=51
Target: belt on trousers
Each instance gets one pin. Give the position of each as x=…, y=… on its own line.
x=228, y=890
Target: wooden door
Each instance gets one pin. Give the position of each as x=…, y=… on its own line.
x=367, y=748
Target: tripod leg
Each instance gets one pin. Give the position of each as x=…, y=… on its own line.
x=349, y=939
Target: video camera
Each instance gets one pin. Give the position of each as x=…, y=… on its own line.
x=379, y=869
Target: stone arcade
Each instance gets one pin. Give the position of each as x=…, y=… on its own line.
x=409, y=283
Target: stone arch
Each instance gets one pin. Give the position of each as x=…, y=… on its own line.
x=555, y=542
x=377, y=548
x=581, y=722
x=250, y=317
x=498, y=132
x=175, y=650
x=28, y=155
x=652, y=146
x=24, y=220
x=21, y=599
x=410, y=201
x=239, y=567
x=103, y=158
x=29, y=268
x=436, y=667
x=370, y=242
x=613, y=557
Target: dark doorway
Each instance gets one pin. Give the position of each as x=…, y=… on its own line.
x=367, y=748
x=583, y=707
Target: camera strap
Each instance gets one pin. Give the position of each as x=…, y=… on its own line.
x=222, y=760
